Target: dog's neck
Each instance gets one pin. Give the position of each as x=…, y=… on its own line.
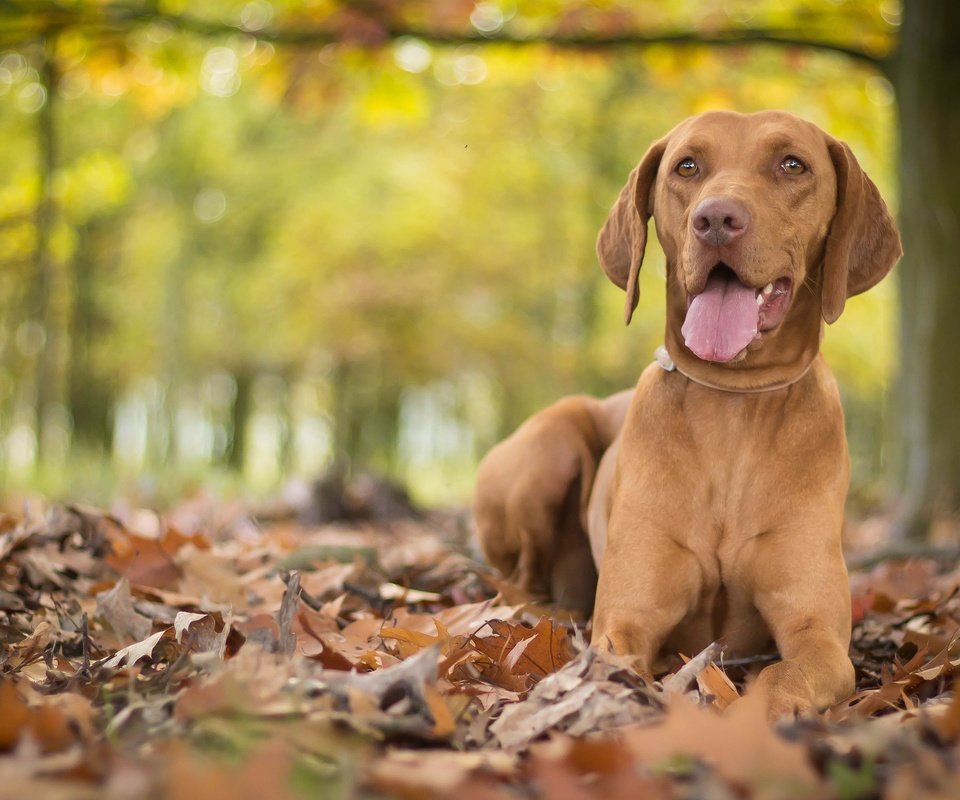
x=785, y=355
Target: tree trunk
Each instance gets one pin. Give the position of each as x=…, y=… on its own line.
x=927, y=77
x=90, y=394
x=48, y=372
x=239, y=417
x=346, y=427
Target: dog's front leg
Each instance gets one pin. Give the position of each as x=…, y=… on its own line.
x=648, y=584
x=802, y=591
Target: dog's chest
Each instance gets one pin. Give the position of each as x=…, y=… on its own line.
x=713, y=470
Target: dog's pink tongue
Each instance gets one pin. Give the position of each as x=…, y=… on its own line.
x=722, y=319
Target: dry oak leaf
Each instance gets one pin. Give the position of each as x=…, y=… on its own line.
x=678, y=682
x=592, y=769
x=128, y=656
x=739, y=744
x=713, y=682
x=521, y=723
x=201, y=632
x=896, y=690
x=311, y=642
x=469, y=617
x=579, y=698
x=426, y=773
x=141, y=560
x=265, y=773
x=254, y=682
x=409, y=677
x=947, y=723
x=519, y=655
x=53, y=723
x=116, y=608
x=409, y=686
x=359, y=643
x=14, y=714
x=31, y=648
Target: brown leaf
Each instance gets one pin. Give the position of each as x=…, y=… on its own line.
x=267, y=772
x=31, y=648
x=592, y=769
x=443, y=722
x=14, y=714
x=739, y=744
x=519, y=655
x=409, y=642
x=116, y=608
x=313, y=645
x=678, y=682
x=173, y=539
x=435, y=773
x=469, y=618
x=358, y=643
x=141, y=560
x=51, y=729
x=128, y=656
x=714, y=682
x=947, y=724
x=579, y=698
x=200, y=630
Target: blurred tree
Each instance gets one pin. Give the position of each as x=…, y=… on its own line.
x=928, y=79
x=42, y=311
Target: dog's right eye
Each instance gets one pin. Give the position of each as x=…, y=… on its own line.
x=687, y=168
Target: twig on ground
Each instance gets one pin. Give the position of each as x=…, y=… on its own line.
x=747, y=661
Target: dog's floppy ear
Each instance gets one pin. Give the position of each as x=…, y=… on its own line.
x=863, y=243
x=623, y=237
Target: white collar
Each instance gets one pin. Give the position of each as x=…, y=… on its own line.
x=662, y=357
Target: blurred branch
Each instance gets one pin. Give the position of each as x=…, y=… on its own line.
x=901, y=551
x=368, y=30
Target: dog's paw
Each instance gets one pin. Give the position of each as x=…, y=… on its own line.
x=785, y=690
x=626, y=662
x=786, y=706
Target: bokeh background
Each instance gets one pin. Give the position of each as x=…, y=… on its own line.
x=244, y=240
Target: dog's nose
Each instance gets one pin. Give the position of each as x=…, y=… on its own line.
x=720, y=220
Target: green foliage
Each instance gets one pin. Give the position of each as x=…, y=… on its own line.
x=367, y=224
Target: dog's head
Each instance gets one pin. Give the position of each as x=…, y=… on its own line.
x=749, y=209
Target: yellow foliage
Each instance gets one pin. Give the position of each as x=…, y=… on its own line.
x=97, y=182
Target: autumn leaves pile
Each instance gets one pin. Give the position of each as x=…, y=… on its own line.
x=200, y=653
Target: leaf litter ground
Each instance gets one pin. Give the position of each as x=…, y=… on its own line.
x=201, y=653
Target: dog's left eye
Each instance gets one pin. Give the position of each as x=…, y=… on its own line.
x=792, y=165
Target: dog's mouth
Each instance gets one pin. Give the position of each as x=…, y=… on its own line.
x=728, y=315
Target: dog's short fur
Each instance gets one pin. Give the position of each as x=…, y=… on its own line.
x=530, y=503
x=717, y=513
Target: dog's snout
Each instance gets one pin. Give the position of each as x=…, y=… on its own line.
x=720, y=220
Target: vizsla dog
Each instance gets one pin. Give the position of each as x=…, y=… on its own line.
x=717, y=513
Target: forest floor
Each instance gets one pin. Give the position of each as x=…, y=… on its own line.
x=203, y=652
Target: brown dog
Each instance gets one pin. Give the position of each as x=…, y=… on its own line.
x=718, y=512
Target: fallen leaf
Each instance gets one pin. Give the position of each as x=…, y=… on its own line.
x=14, y=714
x=115, y=607
x=130, y=655
x=739, y=744
x=141, y=560
x=32, y=647
x=678, y=682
